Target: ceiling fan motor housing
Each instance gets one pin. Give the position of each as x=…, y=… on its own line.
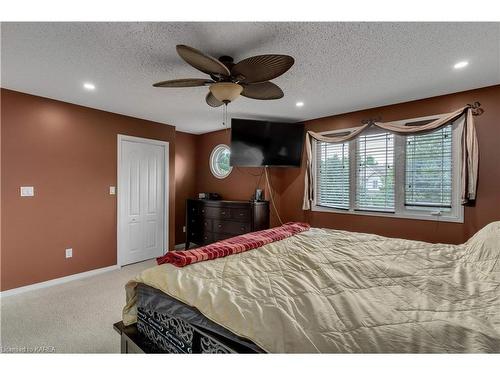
x=227, y=61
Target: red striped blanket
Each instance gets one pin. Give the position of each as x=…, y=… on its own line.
x=232, y=245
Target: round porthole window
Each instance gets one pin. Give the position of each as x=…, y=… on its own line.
x=219, y=161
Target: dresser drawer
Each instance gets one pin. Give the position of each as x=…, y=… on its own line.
x=206, y=225
x=222, y=236
x=232, y=227
x=242, y=214
x=199, y=226
x=216, y=212
x=194, y=234
x=194, y=222
x=207, y=238
x=193, y=211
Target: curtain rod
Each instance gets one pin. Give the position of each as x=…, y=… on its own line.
x=476, y=111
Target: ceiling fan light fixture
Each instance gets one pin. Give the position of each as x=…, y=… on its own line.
x=226, y=92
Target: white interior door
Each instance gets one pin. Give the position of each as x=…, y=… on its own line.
x=142, y=199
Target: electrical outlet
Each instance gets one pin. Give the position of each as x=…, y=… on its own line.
x=112, y=190
x=184, y=229
x=27, y=191
x=69, y=253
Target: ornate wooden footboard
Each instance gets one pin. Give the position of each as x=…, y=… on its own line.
x=159, y=333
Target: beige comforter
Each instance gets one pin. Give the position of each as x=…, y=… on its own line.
x=335, y=291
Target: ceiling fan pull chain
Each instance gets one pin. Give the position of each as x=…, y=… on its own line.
x=225, y=119
x=224, y=115
x=223, y=124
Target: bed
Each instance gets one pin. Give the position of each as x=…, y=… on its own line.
x=328, y=291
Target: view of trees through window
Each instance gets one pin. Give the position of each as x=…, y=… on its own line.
x=429, y=169
x=375, y=167
x=223, y=161
x=333, y=174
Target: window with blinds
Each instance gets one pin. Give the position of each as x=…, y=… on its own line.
x=333, y=183
x=382, y=174
x=429, y=165
x=375, y=172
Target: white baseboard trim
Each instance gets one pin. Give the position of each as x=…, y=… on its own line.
x=60, y=280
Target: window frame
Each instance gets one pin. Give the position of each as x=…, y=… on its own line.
x=355, y=174
x=455, y=215
x=213, y=160
x=349, y=176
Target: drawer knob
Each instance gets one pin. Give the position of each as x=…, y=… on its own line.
x=220, y=225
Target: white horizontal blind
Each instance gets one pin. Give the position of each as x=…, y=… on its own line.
x=333, y=174
x=375, y=172
x=429, y=169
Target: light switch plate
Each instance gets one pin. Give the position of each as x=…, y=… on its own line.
x=112, y=190
x=69, y=253
x=27, y=191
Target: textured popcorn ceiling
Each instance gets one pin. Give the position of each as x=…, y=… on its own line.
x=339, y=67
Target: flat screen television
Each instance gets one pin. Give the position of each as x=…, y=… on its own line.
x=265, y=143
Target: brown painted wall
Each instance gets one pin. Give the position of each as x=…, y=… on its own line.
x=241, y=183
x=185, y=179
x=68, y=153
x=487, y=207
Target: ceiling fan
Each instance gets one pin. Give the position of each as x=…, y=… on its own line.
x=249, y=77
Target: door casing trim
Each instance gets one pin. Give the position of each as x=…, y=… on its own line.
x=166, y=206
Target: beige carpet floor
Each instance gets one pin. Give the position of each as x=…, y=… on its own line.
x=75, y=317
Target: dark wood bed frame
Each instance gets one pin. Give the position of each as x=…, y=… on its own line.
x=203, y=342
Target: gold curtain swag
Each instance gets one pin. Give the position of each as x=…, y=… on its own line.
x=469, y=148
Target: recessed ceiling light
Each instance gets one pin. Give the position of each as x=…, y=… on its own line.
x=299, y=104
x=89, y=86
x=461, y=64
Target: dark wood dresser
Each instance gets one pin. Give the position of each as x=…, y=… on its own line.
x=209, y=221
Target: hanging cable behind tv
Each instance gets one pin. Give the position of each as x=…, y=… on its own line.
x=271, y=196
